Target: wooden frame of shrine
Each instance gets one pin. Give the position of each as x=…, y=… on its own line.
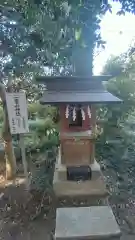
x=77, y=173
x=76, y=98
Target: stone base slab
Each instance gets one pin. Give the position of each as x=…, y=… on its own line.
x=91, y=188
x=91, y=223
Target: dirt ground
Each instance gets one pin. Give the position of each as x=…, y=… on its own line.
x=19, y=218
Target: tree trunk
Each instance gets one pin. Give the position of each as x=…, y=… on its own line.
x=83, y=49
x=10, y=160
x=82, y=61
x=9, y=150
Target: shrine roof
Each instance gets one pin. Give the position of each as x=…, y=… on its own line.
x=75, y=90
x=47, y=79
x=77, y=97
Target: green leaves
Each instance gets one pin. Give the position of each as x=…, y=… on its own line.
x=123, y=86
x=41, y=33
x=78, y=33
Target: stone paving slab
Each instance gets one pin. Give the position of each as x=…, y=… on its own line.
x=91, y=223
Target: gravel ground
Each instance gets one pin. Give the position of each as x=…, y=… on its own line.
x=15, y=221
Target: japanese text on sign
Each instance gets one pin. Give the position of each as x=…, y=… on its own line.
x=17, y=112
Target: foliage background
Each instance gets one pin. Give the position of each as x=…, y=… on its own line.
x=46, y=38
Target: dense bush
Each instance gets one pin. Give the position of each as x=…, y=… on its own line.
x=41, y=145
x=115, y=147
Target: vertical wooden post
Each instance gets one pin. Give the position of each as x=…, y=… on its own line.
x=25, y=165
x=93, y=128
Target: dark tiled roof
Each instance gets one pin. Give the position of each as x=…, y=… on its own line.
x=46, y=79
x=75, y=90
x=74, y=86
x=52, y=97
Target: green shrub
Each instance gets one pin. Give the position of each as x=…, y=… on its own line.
x=1, y=114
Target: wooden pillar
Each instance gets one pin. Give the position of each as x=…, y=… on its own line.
x=93, y=129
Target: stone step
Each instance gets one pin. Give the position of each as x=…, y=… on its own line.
x=91, y=188
x=90, y=223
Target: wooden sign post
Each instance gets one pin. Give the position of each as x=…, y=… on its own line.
x=18, y=121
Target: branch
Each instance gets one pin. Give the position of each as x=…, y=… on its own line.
x=2, y=92
x=9, y=85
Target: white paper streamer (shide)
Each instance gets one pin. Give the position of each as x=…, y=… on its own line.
x=74, y=114
x=83, y=114
x=89, y=112
x=67, y=111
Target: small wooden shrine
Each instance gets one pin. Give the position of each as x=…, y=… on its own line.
x=77, y=173
x=76, y=98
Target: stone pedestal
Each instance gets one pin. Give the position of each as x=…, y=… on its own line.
x=61, y=171
x=94, y=189
x=91, y=223
x=60, y=168
x=91, y=188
